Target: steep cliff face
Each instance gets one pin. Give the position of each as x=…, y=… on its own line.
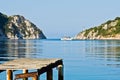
x=17, y=27
x=107, y=30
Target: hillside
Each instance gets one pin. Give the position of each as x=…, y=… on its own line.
x=17, y=27
x=107, y=30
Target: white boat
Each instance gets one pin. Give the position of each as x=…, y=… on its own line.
x=66, y=38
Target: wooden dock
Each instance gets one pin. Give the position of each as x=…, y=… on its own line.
x=40, y=65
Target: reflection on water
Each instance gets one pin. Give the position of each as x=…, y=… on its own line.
x=107, y=50
x=11, y=49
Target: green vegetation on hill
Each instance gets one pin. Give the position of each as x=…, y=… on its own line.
x=110, y=28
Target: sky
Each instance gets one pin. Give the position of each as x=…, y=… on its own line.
x=58, y=18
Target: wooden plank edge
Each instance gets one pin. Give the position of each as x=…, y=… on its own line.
x=2, y=71
x=26, y=75
x=50, y=66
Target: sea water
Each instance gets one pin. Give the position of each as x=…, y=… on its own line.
x=83, y=59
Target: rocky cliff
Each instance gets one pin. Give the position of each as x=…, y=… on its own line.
x=107, y=30
x=17, y=27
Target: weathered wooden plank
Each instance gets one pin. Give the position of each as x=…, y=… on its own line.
x=42, y=65
x=27, y=63
x=26, y=75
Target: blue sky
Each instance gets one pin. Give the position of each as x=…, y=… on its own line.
x=58, y=18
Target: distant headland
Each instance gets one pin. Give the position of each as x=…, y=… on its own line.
x=17, y=27
x=107, y=30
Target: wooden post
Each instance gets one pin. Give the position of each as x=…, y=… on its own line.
x=60, y=72
x=9, y=75
x=35, y=77
x=50, y=74
x=25, y=71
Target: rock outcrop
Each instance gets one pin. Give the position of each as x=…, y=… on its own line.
x=17, y=27
x=107, y=30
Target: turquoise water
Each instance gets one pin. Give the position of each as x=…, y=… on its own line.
x=83, y=59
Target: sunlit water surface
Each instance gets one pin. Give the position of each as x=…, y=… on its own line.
x=83, y=59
